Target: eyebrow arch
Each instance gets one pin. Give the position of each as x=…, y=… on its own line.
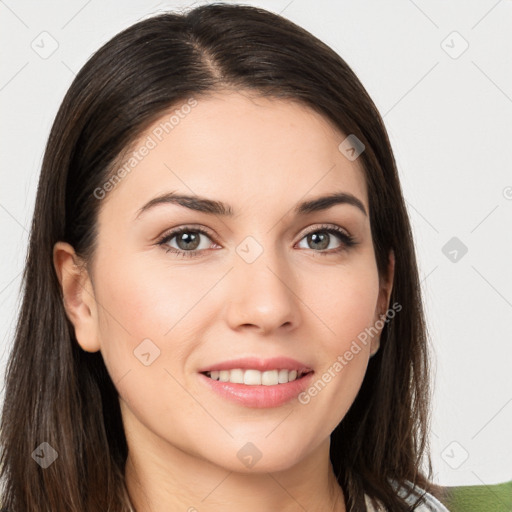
x=325, y=202
x=209, y=206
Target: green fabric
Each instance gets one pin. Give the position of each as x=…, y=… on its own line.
x=479, y=498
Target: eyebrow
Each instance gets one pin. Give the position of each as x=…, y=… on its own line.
x=212, y=207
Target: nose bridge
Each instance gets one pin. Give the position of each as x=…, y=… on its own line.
x=262, y=290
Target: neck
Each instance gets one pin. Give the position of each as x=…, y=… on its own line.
x=161, y=477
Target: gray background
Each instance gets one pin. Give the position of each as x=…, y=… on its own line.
x=448, y=110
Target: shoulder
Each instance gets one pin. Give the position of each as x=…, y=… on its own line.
x=429, y=503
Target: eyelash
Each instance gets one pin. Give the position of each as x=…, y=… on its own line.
x=348, y=241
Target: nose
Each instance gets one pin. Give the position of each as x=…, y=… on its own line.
x=261, y=295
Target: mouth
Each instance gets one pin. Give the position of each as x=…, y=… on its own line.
x=258, y=383
x=253, y=377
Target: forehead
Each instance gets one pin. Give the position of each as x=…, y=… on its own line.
x=242, y=149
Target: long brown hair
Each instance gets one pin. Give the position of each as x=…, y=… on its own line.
x=56, y=393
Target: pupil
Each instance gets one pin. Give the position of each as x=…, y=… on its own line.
x=188, y=239
x=323, y=236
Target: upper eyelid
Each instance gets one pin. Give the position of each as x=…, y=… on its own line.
x=176, y=231
x=326, y=226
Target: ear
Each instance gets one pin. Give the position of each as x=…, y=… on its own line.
x=386, y=286
x=78, y=296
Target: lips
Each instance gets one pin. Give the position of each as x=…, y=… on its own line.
x=257, y=383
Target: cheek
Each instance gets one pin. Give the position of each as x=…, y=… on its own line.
x=148, y=301
x=143, y=343
x=146, y=347
x=148, y=319
x=346, y=303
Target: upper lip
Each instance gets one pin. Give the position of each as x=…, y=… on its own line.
x=254, y=363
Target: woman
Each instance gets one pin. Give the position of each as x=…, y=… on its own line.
x=221, y=301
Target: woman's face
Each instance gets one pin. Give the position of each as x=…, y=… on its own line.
x=262, y=283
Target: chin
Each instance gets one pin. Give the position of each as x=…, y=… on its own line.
x=260, y=457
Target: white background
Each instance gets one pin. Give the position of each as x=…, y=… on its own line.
x=450, y=122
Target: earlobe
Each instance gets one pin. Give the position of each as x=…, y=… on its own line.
x=77, y=295
x=375, y=346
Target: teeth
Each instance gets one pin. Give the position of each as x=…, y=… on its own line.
x=252, y=377
x=270, y=378
x=255, y=377
x=236, y=376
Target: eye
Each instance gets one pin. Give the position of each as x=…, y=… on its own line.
x=321, y=237
x=188, y=240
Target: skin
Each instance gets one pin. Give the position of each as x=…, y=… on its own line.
x=183, y=439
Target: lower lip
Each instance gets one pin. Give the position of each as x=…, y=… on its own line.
x=259, y=396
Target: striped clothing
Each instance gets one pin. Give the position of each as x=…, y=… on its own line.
x=429, y=504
